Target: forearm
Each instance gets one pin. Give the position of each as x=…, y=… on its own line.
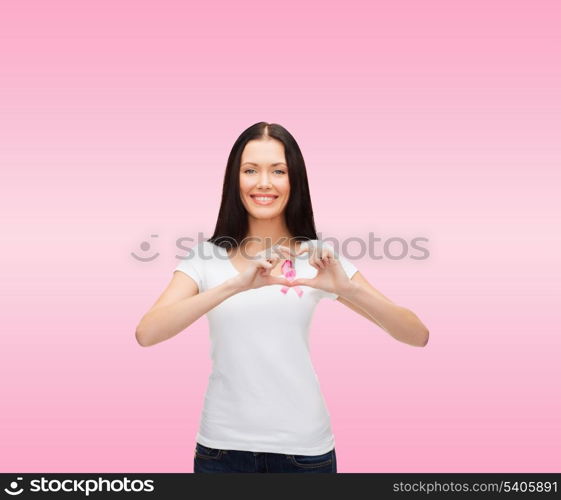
x=399, y=322
x=167, y=321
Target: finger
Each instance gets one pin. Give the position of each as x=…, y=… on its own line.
x=265, y=267
x=273, y=260
x=314, y=262
x=313, y=254
x=276, y=254
x=327, y=249
x=318, y=264
x=307, y=246
x=326, y=257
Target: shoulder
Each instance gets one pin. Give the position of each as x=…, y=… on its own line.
x=202, y=251
x=207, y=250
x=210, y=252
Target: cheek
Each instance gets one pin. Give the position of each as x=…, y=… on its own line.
x=283, y=186
x=245, y=184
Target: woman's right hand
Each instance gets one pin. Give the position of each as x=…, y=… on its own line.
x=258, y=273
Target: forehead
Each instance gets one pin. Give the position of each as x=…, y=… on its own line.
x=263, y=151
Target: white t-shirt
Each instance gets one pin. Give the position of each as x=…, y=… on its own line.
x=263, y=393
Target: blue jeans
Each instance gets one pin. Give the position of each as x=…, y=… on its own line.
x=213, y=460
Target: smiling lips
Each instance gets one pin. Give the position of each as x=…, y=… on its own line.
x=263, y=199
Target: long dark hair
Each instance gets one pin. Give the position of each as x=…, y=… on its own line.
x=232, y=224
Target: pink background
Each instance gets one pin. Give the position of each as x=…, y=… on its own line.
x=433, y=119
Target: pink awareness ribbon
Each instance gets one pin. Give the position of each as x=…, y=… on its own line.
x=290, y=274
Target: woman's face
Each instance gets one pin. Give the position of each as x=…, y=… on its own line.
x=263, y=171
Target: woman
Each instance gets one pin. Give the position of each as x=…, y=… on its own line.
x=264, y=410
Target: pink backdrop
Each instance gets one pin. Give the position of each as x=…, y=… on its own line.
x=431, y=119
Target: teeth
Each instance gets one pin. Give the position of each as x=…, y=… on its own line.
x=264, y=198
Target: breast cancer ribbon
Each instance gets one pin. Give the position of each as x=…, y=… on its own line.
x=290, y=274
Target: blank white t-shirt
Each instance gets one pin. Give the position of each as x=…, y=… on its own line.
x=263, y=393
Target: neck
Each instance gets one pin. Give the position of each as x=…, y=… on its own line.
x=264, y=233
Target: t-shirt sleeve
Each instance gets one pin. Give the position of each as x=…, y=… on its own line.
x=192, y=265
x=349, y=268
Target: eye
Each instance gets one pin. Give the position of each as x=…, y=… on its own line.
x=282, y=172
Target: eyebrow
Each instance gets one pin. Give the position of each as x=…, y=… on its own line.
x=272, y=164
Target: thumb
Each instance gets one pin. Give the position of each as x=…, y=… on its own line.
x=278, y=280
x=264, y=268
x=302, y=282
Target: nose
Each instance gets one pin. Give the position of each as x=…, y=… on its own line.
x=264, y=180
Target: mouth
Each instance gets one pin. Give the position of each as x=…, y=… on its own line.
x=263, y=199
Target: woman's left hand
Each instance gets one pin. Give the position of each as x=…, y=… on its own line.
x=331, y=276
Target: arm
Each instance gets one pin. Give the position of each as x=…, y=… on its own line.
x=401, y=323
x=179, y=306
x=182, y=303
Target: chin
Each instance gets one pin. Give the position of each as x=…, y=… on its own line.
x=264, y=215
